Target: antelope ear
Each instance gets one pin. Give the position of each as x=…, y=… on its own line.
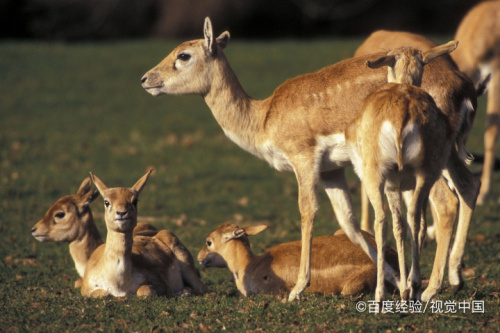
x=210, y=44
x=223, y=39
x=255, y=229
x=440, y=50
x=98, y=183
x=233, y=234
x=84, y=187
x=87, y=198
x=141, y=182
x=387, y=60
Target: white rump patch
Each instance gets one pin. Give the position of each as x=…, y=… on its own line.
x=411, y=145
x=387, y=145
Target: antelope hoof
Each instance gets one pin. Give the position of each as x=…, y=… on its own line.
x=428, y=294
x=146, y=291
x=405, y=294
x=455, y=289
x=294, y=296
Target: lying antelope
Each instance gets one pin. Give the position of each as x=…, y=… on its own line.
x=442, y=197
x=70, y=219
x=400, y=142
x=337, y=265
x=300, y=128
x=149, y=263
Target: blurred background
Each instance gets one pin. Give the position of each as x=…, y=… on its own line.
x=74, y=20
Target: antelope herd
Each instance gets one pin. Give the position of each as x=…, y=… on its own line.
x=401, y=117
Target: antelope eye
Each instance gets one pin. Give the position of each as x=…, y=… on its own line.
x=60, y=215
x=209, y=243
x=184, y=56
x=106, y=203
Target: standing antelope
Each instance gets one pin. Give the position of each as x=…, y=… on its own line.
x=400, y=141
x=442, y=196
x=149, y=263
x=479, y=56
x=337, y=265
x=300, y=128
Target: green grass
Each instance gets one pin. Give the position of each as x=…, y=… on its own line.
x=67, y=109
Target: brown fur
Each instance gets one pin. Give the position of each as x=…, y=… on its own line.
x=300, y=126
x=78, y=228
x=400, y=125
x=70, y=220
x=148, y=263
x=337, y=265
x=479, y=36
x=460, y=199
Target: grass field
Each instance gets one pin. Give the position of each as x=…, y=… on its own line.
x=67, y=109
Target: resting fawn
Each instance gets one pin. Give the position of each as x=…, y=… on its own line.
x=337, y=265
x=142, y=264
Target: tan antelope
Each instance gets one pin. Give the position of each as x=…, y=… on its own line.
x=444, y=206
x=300, y=127
x=479, y=57
x=149, y=263
x=400, y=143
x=70, y=220
x=337, y=265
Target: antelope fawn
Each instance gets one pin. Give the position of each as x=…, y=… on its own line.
x=337, y=265
x=136, y=264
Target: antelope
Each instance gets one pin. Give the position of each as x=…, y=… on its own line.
x=479, y=57
x=400, y=142
x=70, y=219
x=148, y=263
x=337, y=265
x=443, y=195
x=300, y=127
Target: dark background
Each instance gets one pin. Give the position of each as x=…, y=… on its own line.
x=75, y=20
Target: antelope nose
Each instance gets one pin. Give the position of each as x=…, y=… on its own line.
x=33, y=230
x=121, y=214
x=144, y=79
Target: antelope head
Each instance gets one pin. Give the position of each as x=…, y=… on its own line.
x=120, y=203
x=63, y=221
x=406, y=64
x=188, y=68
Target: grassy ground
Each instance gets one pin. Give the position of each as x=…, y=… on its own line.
x=66, y=110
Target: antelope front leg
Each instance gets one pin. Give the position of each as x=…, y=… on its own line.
x=467, y=187
x=491, y=133
x=337, y=190
x=308, y=207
